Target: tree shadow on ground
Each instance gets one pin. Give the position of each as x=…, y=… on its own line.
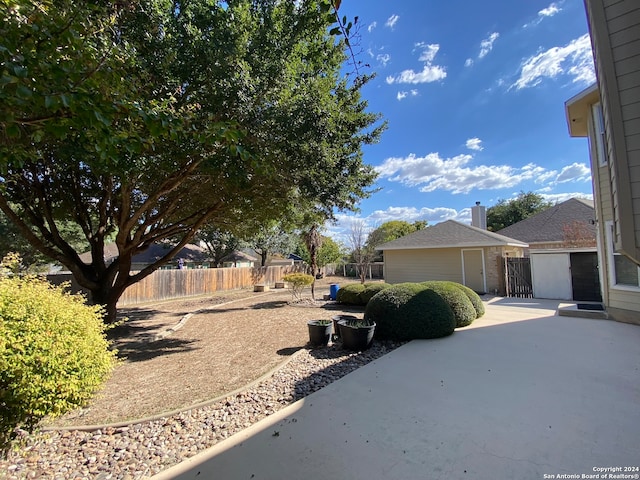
x=141, y=349
x=270, y=305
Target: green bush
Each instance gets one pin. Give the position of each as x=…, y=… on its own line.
x=370, y=289
x=407, y=311
x=457, y=300
x=298, y=281
x=475, y=299
x=53, y=352
x=350, y=294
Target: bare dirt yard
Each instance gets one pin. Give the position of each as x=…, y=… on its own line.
x=179, y=353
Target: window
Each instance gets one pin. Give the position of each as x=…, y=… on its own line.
x=598, y=133
x=622, y=271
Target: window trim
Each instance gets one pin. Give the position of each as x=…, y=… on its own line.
x=597, y=124
x=611, y=265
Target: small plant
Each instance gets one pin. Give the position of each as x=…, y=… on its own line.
x=357, y=322
x=53, y=351
x=298, y=281
x=475, y=299
x=322, y=323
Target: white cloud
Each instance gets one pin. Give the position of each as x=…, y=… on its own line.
x=402, y=95
x=474, y=144
x=576, y=172
x=454, y=175
x=486, y=45
x=429, y=73
x=411, y=214
x=429, y=51
x=372, y=26
x=550, y=11
x=574, y=60
x=547, y=12
x=383, y=58
x=391, y=21
x=468, y=62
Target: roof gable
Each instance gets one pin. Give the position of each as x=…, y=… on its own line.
x=547, y=226
x=447, y=235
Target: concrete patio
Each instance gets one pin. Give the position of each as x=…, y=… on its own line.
x=521, y=394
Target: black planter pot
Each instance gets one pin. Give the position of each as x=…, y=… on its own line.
x=336, y=319
x=319, y=334
x=356, y=338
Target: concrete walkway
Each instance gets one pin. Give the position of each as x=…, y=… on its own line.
x=520, y=394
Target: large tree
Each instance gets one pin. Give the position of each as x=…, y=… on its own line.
x=508, y=212
x=151, y=118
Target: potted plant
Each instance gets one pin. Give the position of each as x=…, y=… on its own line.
x=319, y=332
x=356, y=333
x=336, y=321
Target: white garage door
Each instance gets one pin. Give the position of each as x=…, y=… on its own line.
x=551, y=276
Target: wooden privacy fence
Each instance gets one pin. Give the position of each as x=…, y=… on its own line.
x=517, y=275
x=167, y=284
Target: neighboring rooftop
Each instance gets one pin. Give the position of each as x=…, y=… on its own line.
x=450, y=234
x=548, y=226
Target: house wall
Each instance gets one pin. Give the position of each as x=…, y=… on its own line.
x=420, y=265
x=623, y=303
x=615, y=35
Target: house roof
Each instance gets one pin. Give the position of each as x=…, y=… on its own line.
x=547, y=226
x=450, y=234
x=238, y=256
x=189, y=252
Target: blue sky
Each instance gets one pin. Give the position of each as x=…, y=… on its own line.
x=474, y=96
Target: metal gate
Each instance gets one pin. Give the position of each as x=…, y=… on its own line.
x=518, y=277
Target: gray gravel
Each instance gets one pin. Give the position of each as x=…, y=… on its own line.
x=144, y=449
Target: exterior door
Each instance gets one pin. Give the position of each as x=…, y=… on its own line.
x=551, y=276
x=473, y=269
x=585, y=278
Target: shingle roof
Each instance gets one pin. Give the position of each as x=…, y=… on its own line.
x=450, y=234
x=547, y=226
x=189, y=252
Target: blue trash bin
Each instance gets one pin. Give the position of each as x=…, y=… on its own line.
x=333, y=290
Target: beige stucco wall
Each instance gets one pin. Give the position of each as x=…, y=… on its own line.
x=420, y=265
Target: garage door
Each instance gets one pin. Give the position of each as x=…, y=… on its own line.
x=551, y=276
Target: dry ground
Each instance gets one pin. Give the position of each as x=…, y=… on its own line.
x=230, y=339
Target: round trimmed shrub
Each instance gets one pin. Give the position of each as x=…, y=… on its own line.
x=408, y=311
x=370, y=289
x=53, y=352
x=350, y=294
x=475, y=299
x=457, y=300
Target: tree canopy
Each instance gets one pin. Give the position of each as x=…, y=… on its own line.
x=508, y=212
x=147, y=120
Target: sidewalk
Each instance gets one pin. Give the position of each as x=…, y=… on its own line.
x=520, y=394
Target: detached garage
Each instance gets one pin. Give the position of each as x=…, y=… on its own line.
x=570, y=274
x=450, y=251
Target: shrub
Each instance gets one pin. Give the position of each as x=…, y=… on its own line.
x=298, y=281
x=407, y=311
x=350, y=294
x=475, y=299
x=53, y=352
x=457, y=300
x=370, y=289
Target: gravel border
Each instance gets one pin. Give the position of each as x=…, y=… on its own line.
x=144, y=449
